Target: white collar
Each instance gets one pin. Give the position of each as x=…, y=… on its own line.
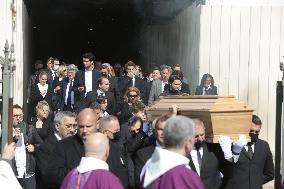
x=57, y=137
x=158, y=144
x=91, y=163
x=161, y=161
x=99, y=91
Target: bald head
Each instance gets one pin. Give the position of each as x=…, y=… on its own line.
x=97, y=146
x=87, y=122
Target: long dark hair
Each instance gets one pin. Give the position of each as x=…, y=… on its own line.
x=203, y=80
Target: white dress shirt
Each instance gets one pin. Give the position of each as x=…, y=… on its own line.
x=67, y=91
x=193, y=154
x=101, y=93
x=163, y=85
x=42, y=88
x=88, y=81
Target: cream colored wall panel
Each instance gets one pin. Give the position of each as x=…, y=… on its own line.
x=273, y=72
x=214, y=62
x=244, y=54
x=205, y=31
x=223, y=85
x=263, y=69
x=254, y=57
x=234, y=53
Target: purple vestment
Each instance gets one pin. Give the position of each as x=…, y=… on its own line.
x=179, y=177
x=95, y=179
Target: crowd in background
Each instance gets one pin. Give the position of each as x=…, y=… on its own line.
x=58, y=144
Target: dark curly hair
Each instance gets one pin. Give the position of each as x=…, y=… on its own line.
x=204, y=77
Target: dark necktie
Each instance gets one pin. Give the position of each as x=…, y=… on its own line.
x=250, y=152
x=199, y=159
x=69, y=93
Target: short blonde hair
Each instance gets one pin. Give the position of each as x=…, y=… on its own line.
x=40, y=105
x=61, y=69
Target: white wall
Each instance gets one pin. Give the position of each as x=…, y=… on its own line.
x=6, y=34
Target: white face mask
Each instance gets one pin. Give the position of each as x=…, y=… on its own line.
x=55, y=67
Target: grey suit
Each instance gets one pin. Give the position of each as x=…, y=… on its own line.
x=156, y=91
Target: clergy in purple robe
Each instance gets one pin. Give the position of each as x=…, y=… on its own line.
x=168, y=168
x=92, y=172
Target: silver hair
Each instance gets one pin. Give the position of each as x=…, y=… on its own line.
x=107, y=64
x=58, y=118
x=177, y=130
x=72, y=67
x=166, y=67
x=104, y=122
x=198, y=123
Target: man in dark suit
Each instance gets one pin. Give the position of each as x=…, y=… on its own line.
x=131, y=80
x=113, y=86
x=67, y=100
x=103, y=90
x=118, y=158
x=67, y=153
x=207, y=159
x=65, y=126
x=142, y=155
x=86, y=80
x=254, y=166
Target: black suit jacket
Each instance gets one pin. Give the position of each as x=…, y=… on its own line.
x=115, y=90
x=252, y=173
x=213, y=162
x=140, y=159
x=79, y=81
x=36, y=96
x=211, y=91
x=42, y=154
x=111, y=103
x=126, y=82
x=66, y=155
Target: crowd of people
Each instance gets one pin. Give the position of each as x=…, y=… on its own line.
x=88, y=129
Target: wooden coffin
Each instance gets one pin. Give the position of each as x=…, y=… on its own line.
x=222, y=115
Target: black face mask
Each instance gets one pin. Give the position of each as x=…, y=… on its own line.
x=253, y=137
x=198, y=144
x=133, y=134
x=116, y=137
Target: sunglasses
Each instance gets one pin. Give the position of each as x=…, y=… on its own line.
x=132, y=96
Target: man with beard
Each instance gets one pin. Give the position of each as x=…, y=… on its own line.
x=254, y=166
x=65, y=125
x=207, y=159
x=117, y=159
